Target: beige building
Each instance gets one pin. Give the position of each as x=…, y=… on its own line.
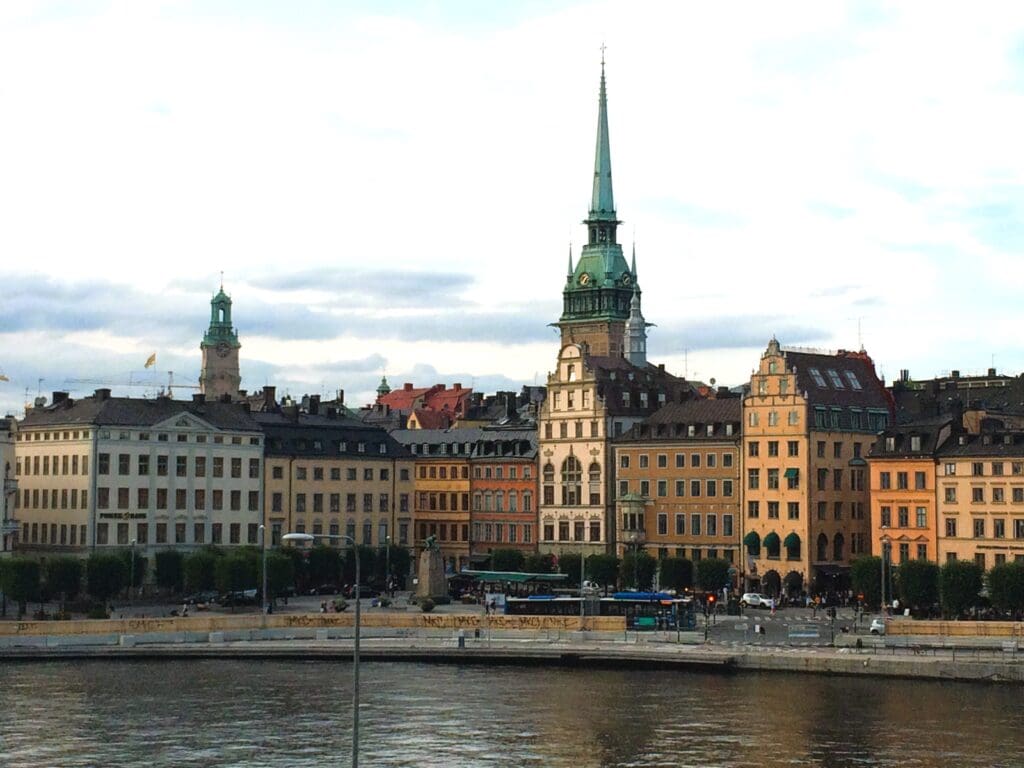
x=809, y=420
x=328, y=474
x=111, y=471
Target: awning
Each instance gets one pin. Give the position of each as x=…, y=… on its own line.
x=791, y=473
x=771, y=541
x=792, y=541
x=752, y=539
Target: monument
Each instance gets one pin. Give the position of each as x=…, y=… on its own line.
x=431, y=571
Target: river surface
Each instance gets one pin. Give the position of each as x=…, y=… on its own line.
x=285, y=713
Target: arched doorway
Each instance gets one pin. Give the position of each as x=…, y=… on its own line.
x=771, y=583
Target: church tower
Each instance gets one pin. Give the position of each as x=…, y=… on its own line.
x=635, y=335
x=220, y=347
x=598, y=290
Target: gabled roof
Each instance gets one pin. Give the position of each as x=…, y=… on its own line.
x=430, y=419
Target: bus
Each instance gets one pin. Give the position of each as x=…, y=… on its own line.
x=642, y=610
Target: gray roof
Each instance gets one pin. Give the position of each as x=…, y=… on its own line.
x=137, y=412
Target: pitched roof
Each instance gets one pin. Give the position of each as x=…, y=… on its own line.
x=307, y=435
x=932, y=433
x=430, y=419
x=138, y=412
x=672, y=421
x=845, y=379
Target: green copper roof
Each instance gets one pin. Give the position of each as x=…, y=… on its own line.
x=220, y=331
x=602, y=202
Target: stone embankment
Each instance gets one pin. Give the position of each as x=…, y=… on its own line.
x=501, y=640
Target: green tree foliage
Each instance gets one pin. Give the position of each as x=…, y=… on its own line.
x=712, y=574
x=64, y=577
x=959, y=585
x=637, y=570
x=1006, y=586
x=866, y=579
x=323, y=566
x=367, y=563
x=675, y=573
x=400, y=562
x=538, y=563
x=21, y=581
x=236, y=572
x=105, y=575
x=917, y=584
x=569, y=564
x=134, y=568
x=280, y=573
x=200, y=570
x=507, y=560
x=170, y=570
x=603, y=569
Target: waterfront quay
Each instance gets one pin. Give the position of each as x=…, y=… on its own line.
x=472, y=639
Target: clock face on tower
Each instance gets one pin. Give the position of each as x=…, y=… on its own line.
x=223, y=349
x=584, y=279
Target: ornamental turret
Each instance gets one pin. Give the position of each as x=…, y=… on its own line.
x=220, y=373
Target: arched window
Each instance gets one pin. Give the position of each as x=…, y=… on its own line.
x=549, y=473
x=595, y=472
x=837, y=547
x=792, y=545
x=822, y=547
x=572, y=476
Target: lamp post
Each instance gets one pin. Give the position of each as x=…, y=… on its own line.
x=387, y=566
x=355, y=649
x=885, y=544
x=263, y=544
x=131, y=572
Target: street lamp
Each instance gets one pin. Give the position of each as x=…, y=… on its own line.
x=355, y=650
x=263, y=544
x=885, y=544
x=131, y=572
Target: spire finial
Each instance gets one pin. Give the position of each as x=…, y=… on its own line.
x=569, y=273
x=632, y=267
x=222, y=280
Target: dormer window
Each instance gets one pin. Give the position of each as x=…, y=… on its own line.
x=890, y=444
x=691, y=431
x=834, y=378
x=711, y=430
x=816, y=375
x=915, y=442
x=851, y=377
x=571, y=372
x=728, y=430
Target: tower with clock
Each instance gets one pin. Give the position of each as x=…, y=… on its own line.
x=600, y=287
x=219, y=375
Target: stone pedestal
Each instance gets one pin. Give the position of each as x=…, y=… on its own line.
x=431, y=575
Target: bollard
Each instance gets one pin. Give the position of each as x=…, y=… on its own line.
x=462, y=638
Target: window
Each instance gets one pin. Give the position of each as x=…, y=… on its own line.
x=793, y=510
x=885, y=480
x=695, y=524
x=793, y=448
x=753, y=479
x=818, y=379
x=999, y=528
x=979, y=527
x=773, y=510
x=773, y=479
x=977, y=495
x=903, y=517
x=834, y=378
x=921, y=517
x=773, y=447
x=977, y=468
x=695, y=488
x=680, y=524
x=951, y=527
x=901, y=481
x=753, y=509
x=662, y=524
x=123, y=463
x=680, y=460
x=997, y=495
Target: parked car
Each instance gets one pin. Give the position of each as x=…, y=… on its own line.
x=201, y=598
x=364, y=591
x=877, y=626
x=326, y=589
x=244, y=597
x=755, y=600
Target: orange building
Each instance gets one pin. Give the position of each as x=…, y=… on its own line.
x=903, y=489
x=503, y=485
x=442, y=489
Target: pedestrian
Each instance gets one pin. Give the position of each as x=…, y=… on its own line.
x=323, y=606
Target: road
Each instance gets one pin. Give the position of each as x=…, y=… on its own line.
x=787, y=626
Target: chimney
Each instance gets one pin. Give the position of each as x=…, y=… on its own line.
x=314, y=405
x=457, y=386
x=59, y=397
x=242, y=394
x=991, y=372
x=269, y=398
x=341, y=397
x=661, y=367
x=332, y=412
x=102, y=394
x=956, y=374
x=407, y=387
x=225, y=398
x=291, y=411
x=904, y=375
x=198, y=397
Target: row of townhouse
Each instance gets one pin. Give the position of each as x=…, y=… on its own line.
x=950, y=487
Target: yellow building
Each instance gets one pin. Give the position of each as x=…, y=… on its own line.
x=809, y=420
x=680, y=469
x=441, y=506
x=327, y=474
x=980, y=497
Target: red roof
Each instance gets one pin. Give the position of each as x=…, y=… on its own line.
x=435, y=398
x=429, y=419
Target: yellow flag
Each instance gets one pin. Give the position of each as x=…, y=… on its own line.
x=151, y=360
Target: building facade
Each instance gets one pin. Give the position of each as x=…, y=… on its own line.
x=9, y=493
x=108, y=471
x=678, y=478
x=809, y=420
x=503, y=488
x=327, y=474
x=219, y=376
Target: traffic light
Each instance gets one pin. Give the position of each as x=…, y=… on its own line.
x=710, y=603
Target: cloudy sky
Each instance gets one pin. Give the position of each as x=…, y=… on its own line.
x=392, y=186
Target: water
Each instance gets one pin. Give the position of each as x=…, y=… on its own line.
x=260, y=713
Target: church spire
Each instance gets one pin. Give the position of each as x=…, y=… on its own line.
x=602, y=201
x=569, y=273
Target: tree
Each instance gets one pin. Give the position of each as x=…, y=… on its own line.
x=300, y=567
x=134, y=567
x=507, y=560
x=866, y=578
x=170, y=572
x=105, y=575
x=917, y=583
x=637, y=570
x=538, y=563
x=323, y=566
x=64, y=578
x=569, y=564
x=676, y=573
x=235, y=572
x=712, y=574
x=603, y=569
x=367, y=558
x=400, y=561
x=1006, y=586
x=280, y=573
x=200, y=570
x=959, y=585
x=21, y=581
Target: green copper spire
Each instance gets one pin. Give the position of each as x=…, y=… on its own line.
x=602, y=202
x=221, y=331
